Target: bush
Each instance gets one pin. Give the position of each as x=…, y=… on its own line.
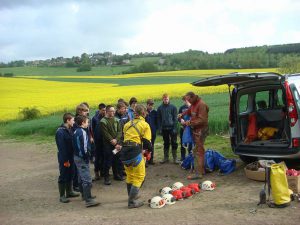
x=84, y=67
x=30, y=113
x=145, y=67
x=8, y=75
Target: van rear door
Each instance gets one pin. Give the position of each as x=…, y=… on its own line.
x=239, y=79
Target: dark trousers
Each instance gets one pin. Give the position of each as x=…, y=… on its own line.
x=111, y=160
x=84, y=176
x=65, y=173
x=170, y=138
x=152, y=142
x=75, y=177
x=183, y=149
x=99, y=158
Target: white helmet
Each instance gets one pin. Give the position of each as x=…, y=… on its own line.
x=165, y=190
x=157, y=202
x=177, y=186
x=169, y=199
x=208, y=185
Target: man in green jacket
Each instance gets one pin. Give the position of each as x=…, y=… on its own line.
x=112, y=132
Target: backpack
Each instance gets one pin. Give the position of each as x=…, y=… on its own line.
x=276, y=185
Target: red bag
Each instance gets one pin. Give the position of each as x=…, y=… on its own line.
x=252, y=128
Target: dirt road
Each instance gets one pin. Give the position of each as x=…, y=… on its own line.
x=29, y=195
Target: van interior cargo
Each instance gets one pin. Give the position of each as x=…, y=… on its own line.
x=262, y=118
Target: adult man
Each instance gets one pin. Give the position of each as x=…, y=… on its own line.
x=137, y=136
x=199, y=124
x=63, y=138
x=98, y=139
x=151, y=119
x=167, y=120
x=111, y=131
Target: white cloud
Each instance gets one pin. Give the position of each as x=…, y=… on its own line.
x=44, y=29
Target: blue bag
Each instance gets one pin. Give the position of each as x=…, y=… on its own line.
x=214, y=160
x=187, y=137
x=188, y=162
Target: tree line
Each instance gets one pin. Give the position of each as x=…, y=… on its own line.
x=287, y=55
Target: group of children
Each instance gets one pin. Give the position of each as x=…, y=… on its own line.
x=80, y=139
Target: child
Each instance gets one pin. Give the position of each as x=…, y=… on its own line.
x=63, y=138
x=82, y=146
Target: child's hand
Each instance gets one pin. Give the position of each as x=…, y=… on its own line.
x=67, y=164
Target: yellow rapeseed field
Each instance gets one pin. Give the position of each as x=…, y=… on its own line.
x=53, y=96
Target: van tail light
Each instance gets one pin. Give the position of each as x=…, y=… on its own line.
x=295, y=142
x=291, y=106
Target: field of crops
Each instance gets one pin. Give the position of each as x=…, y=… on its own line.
x=51, y=94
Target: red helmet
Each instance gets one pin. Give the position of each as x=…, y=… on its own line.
x=177, y=194
x=187, y=192
x=195, y=187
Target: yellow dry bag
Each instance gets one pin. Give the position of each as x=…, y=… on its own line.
x=281, y=194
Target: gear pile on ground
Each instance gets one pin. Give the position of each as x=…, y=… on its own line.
x=169, y=195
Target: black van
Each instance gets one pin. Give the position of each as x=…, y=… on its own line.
x=274, y=102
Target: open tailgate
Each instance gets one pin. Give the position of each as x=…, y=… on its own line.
x=237, y=79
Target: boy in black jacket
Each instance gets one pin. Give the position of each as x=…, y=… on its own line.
x=65, y=153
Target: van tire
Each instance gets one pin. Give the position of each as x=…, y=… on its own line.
x=247, y=159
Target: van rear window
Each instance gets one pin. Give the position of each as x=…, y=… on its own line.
x=262, y=100
x=243, y=104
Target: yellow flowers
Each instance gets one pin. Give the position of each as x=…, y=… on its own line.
x=53, y=96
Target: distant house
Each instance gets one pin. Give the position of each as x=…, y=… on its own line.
x=126, y=61
x=161, y=61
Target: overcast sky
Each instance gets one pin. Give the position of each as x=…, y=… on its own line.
x=41, y=29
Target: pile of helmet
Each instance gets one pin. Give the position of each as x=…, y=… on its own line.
x=169, y=195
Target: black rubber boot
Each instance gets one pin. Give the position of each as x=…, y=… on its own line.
x=69, y=191
x=174, y=154
x=166, y=156
x=89, y=201
x=62, y=191
x=107, y=181
x=132, y=202
x=128, y=188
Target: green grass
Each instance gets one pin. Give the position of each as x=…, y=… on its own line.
x=215, y=142
x=62, y=71
x=129, y=81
